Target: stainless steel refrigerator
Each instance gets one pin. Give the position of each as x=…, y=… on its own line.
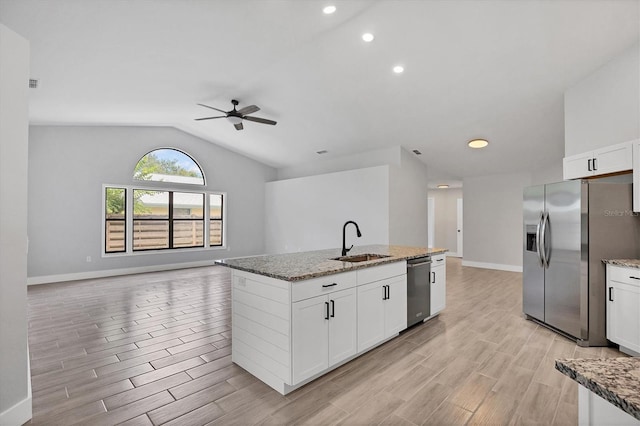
x=569, y=227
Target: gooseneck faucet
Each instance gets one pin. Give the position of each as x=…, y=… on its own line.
x=345, y=250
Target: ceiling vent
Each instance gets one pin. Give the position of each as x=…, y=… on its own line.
x=324, y=151
x=416, y=152
x=33, y=83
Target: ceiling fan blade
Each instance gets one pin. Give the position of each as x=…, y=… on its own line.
x=248, y=110
x=210, y=118
x=260, y=120
x=207, y=106
x=238, y=126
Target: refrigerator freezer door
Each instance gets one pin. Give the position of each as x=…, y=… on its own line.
x=533, y=272
x=563, y=243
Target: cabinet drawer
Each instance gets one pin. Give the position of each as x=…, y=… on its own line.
x=438, y=259
x=624, y=275
x=377, y=273
x=323, y=285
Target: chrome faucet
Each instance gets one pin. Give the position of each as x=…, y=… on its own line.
x=345, y=250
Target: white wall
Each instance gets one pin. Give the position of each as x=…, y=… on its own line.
x=68, y=166
x=408, y=190
x=549, y=174
x=493, y=220
x=339, y=164
x=603, y=109
x=15, y=391
x=446, y=218
x=308, y=213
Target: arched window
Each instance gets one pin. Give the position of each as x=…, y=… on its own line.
x=168, y=165
x=150, y=217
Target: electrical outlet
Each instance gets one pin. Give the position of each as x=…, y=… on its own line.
x=88, y=258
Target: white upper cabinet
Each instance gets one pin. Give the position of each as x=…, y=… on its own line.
x=602, y=161
x=636, y=176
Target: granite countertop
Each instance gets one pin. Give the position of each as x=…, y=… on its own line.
x=312, y=264
x=629, y=263
x=615, y=379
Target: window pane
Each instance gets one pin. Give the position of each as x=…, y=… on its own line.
x=215, y=233
x=115, y=203
x=150, y=204
x=188, y=233
x=114, y=236
x=168, y=165
x=150, y=234
x=188, y=205
x=215, y=206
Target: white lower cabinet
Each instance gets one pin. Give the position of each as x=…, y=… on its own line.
x=382, y=310
x=324, y=332
x=623, y=307
x=438, y=283
x=286, y=333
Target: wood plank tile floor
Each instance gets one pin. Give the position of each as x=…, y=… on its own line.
x=154, y=348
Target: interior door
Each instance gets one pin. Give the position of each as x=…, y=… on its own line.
x=533, y=271
x=563, y=239
x=459, y=228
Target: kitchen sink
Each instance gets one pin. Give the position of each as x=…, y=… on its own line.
x=360, y=257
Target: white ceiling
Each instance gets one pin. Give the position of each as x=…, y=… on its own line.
x=492, y=69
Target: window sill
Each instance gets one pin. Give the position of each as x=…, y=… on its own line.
x=163, y=251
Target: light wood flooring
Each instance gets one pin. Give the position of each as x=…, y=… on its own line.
x=154, y=349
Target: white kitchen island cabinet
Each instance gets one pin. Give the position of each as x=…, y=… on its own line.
x=294, y=319
x=438, y=283
x=623, y=307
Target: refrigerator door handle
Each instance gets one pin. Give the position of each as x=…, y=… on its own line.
x=543, y=239
x=538, y=236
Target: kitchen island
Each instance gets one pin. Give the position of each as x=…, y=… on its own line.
x=609, y=392
x=297, y=316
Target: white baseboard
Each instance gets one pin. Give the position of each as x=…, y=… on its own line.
x=19, y=414
x=45, y=279
x=498, y=266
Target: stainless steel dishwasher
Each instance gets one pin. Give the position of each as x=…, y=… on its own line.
x=418, y=290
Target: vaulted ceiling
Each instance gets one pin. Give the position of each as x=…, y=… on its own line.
x=491, y=69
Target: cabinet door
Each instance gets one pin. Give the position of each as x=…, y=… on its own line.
x=636, y=176
x=310, y=337
x=614, y=158
x=623, y=317
x=438, y=288
x=370, y=315
x=577, y=166
x=395, y=305
x=342, y=325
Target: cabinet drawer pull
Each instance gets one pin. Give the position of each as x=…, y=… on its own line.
x=329, y=285
x=610, y=294
x=634, y=278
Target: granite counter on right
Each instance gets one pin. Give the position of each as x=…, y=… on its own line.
x=609, y=391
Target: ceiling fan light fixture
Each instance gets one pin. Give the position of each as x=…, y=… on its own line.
x=234, y=119
x=478, y=143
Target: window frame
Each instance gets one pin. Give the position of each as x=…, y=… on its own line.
x=152, y=186
x=107, y=220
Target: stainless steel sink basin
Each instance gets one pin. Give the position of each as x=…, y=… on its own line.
x=360, y=257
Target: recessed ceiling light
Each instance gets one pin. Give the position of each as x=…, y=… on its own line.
x=443, y=186
x=328, y=10
x=398, y=69
x=478, y=143
x=368, y=37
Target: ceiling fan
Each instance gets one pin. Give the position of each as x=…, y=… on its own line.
x=236, y=116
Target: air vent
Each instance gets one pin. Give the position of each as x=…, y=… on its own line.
x=324, y=151
x=33, y=83
x=416, y=152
